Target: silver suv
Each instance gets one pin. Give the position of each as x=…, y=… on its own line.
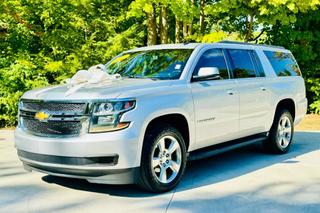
x=163, y=105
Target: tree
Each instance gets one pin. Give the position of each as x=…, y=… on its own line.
x=163, y=24
x=177, y=30
x=43, y=42
x=146, y=8
x=152, y=26
x=303, y=39
x=247, y=17
x=202, y=5
x=185, y=12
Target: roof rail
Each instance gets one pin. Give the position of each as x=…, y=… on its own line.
x=246, y=43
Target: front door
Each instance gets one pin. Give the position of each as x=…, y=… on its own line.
x=216, y=102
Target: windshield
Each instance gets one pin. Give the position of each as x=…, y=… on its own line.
x=155, y=64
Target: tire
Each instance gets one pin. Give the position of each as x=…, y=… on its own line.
x=281, y=133
x=166, y=170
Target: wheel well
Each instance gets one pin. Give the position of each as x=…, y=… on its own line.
x=287, y=104
x=176, y=120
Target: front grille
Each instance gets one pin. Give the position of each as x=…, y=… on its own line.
x=52, y=127
x=76, y=108
x=63, y=118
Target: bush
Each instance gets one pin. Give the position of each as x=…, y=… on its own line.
x=44, y=42
x=313, y=86
x=15, y=80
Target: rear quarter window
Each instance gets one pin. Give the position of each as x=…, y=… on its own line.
x=283, y=64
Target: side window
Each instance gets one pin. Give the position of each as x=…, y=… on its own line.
x=283, y=63
x=213, y=58
x=258, y=64
x=242, y=64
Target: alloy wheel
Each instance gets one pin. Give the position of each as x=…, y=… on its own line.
x=166, y=159
x=284, y=132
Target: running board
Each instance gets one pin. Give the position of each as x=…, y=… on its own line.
x=226, y=146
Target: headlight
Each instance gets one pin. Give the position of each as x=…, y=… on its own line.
x=106, y=116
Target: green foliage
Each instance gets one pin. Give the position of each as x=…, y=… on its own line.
x=303, y=39
x=44, y=42
x=218, y=36
x=247, y=16
x=315, y=106
x=20, y=76
x=314, y=94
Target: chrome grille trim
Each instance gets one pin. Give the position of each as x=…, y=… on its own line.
x=52, y=127
x=66, y=118
x=54, y=107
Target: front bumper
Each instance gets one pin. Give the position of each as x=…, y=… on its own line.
x=100, y=158
x=92, y=175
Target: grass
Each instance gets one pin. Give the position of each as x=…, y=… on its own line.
x=311, y=122
x=8, y=128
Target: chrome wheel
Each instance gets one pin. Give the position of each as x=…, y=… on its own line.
x=166, y=159
x=284, y=132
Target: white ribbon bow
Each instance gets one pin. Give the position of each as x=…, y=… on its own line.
x=94, y=75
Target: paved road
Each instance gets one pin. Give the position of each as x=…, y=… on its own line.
x=243, y=180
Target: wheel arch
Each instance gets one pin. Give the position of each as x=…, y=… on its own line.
x=287, y=104
x=177, y=120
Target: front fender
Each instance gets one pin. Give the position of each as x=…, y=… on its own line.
x=149, y=107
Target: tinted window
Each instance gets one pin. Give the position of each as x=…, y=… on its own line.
x=258, y=64
x=213, y=58
x=159, y=64
x=242, y=64
x=283, y=63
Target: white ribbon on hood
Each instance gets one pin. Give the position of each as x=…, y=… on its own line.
x=94, y=75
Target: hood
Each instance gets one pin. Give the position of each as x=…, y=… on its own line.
x=108, y=90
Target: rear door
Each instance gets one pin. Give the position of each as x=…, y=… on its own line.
x=254, y=96
x=216, y=102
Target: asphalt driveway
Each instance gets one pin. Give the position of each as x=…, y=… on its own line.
x=243, y=180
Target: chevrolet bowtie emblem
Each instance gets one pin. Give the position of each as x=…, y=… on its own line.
x=42, y=116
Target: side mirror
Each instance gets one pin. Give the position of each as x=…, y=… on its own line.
x=207, y=73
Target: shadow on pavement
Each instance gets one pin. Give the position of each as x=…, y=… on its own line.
x=80, y=184
x=252, y=200
x=245, y=160
x=209, y=171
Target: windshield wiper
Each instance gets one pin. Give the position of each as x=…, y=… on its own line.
x=133, y=76
x=141, y=77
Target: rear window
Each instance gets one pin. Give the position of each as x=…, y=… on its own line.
x=283, y=63
x=242, y=63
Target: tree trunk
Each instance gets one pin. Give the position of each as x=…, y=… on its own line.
x=249, y=28
x=178, y=30
x=164, y=25
x=185, y=29
x=152, y=27
x=190, y=27
x=202, y=27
